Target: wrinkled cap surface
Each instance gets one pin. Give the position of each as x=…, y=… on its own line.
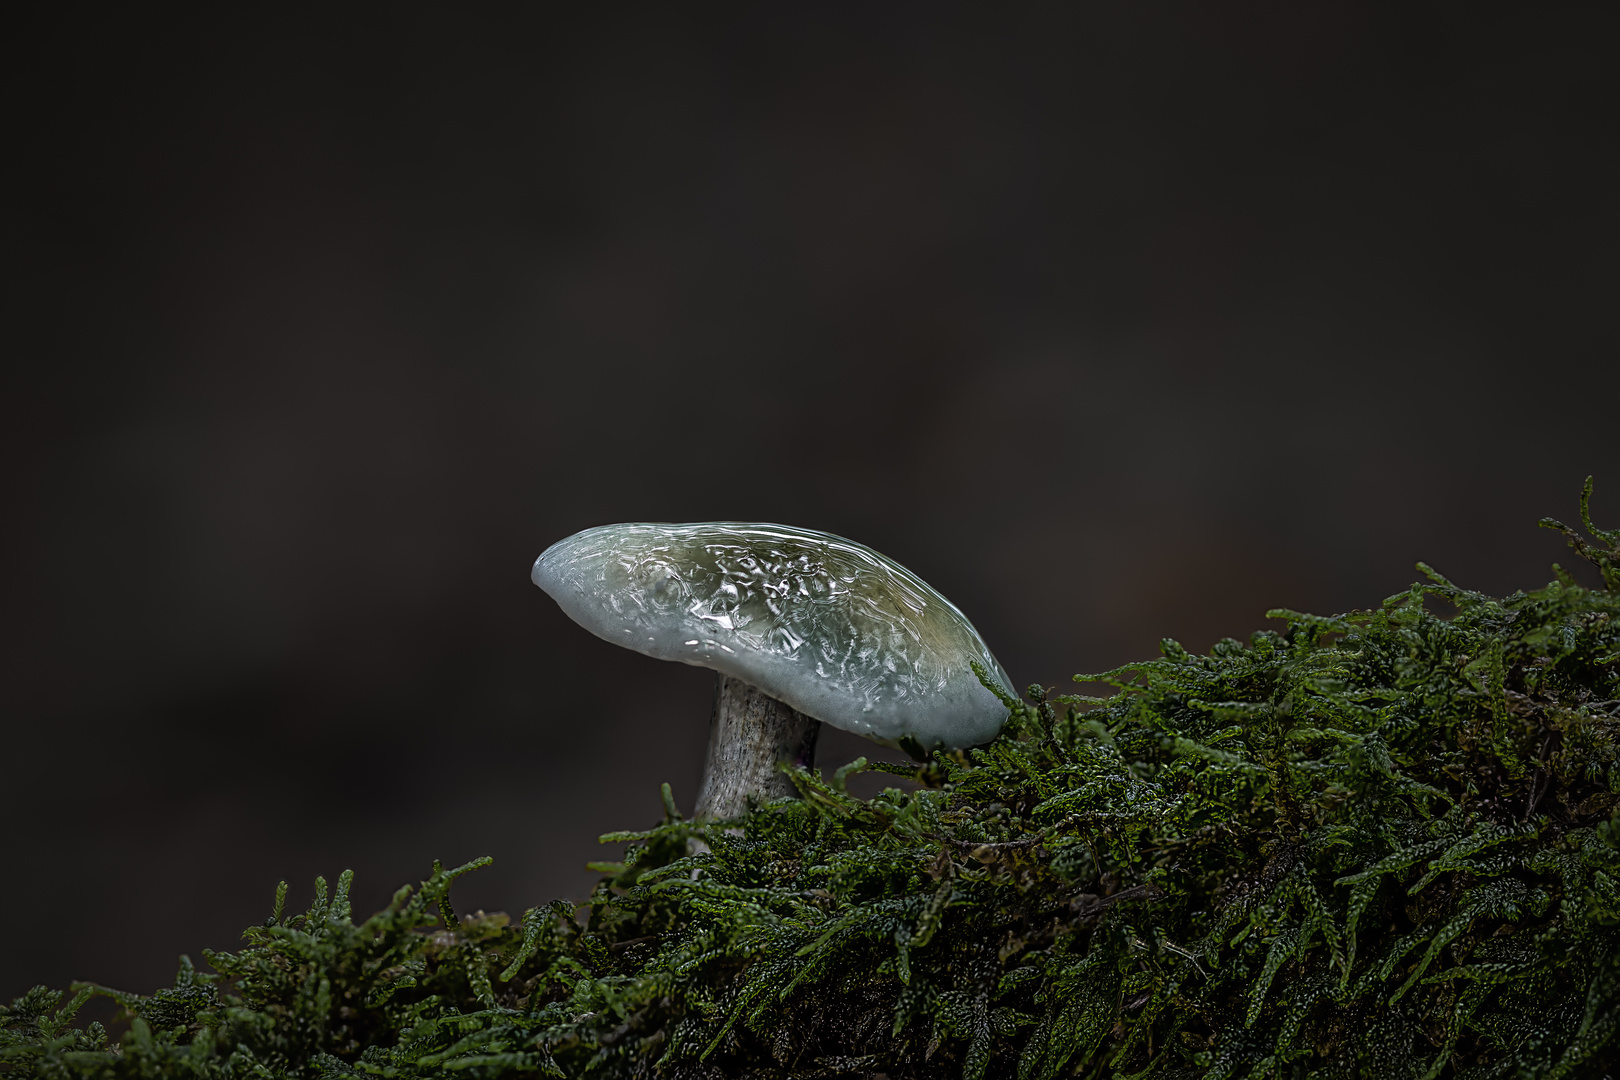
x=821, y=623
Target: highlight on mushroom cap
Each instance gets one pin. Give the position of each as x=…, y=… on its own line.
x=826, y=625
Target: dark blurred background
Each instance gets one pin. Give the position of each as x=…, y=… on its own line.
x=1114, y=323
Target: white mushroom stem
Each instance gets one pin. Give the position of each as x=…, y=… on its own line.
x=751, y=735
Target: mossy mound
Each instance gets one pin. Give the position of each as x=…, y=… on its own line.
x=1381, y=844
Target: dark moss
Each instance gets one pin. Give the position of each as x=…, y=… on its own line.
x=1380, y=844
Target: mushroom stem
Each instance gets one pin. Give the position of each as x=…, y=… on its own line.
x=750, y=735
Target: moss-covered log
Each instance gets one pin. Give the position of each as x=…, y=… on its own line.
x=1380, y=844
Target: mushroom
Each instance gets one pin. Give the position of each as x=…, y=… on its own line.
x=803, y=627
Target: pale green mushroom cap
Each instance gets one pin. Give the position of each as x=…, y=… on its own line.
x=818, y=622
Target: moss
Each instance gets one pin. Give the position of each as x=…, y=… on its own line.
x=1378, y=844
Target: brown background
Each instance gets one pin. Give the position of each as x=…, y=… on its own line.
x=1112, y=324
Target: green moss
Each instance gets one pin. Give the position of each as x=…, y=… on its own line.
x=1380, y=844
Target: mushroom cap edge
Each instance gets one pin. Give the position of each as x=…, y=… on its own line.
x=823, y=624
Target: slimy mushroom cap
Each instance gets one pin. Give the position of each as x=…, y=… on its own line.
x=823, y=624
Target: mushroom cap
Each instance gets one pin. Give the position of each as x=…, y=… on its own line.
x=818, y=622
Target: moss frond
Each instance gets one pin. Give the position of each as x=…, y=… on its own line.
x=1381, y=844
